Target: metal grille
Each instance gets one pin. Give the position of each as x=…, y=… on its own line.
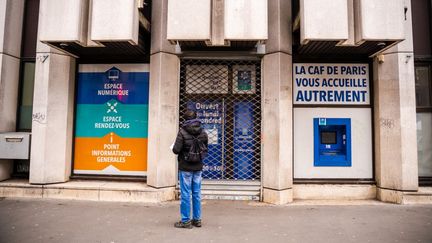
x=226, y=95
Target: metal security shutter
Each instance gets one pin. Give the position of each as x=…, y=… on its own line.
x=226, y=94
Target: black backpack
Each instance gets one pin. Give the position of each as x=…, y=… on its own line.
x=197, y=151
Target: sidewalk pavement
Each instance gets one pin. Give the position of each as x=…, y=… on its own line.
x=42, y=220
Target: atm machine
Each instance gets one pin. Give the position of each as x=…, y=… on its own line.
x=332, y=142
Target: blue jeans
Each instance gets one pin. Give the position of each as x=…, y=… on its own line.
x=190, y=183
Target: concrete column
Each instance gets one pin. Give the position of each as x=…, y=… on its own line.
x=277, y=106
x=53, y=110
x=395, y=120
x=11, y=21
x=164, y=102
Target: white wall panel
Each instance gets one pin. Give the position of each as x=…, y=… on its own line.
x=63, y=20
x=11, y=20
x=324, y=20
x=361, y=147
x=9, y=80
x=189, y=20
x=379, y=20
x=114, y=20
x=246, y=20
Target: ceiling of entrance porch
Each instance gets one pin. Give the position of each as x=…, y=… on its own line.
x=219, y=24
x=358, y=27
x=97, y=28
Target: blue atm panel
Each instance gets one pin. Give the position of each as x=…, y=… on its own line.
x=332, y=142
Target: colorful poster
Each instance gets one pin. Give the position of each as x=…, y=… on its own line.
x=112, y=119
x=211, y=114
x=244, y=79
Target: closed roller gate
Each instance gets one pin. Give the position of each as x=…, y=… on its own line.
x=226, y=95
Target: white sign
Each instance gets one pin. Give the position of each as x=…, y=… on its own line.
x=331, y=84
x=213, y=135
x=210, y=79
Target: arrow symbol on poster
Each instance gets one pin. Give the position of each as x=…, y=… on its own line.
x=112, y=107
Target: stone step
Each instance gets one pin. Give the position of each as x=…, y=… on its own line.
x=88, y=190
x=221, y=196
x=334, y=192
x=422, y=196
x=232, y=182
x=231, y=190
x=225, y=192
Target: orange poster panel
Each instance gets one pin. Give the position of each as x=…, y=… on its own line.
x=125, y=154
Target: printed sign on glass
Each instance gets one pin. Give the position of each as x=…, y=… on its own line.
x=244, y=79
x=209, y=79
x=331, y=84
x=243, y=140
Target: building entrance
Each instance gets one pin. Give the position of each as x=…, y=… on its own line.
x=226, y=95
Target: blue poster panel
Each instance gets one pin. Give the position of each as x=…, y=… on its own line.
x=211, y=114
x=243, y=140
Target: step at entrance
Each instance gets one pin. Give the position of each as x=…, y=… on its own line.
x=422, y=196
x=231, y=190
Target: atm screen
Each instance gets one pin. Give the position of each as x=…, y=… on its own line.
x=328, y=138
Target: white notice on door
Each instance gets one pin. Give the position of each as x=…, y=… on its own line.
x=212, y=135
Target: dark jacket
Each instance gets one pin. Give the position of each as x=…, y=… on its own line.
x=184, y=140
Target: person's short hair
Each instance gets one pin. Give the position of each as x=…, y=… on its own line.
x=190, y=115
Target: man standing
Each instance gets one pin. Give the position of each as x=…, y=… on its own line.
x=191, y=147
